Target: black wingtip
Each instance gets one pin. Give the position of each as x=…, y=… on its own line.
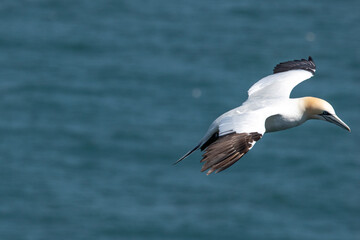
x=303, y=64
x=310, y=59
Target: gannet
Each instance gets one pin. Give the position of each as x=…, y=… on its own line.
x=268, y=108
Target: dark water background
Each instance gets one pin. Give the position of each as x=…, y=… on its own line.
x=99, y=98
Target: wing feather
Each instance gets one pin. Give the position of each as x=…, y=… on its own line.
x=286, y=76
x=227, y=150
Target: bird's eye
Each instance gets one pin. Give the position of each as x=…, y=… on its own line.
x=325, y=113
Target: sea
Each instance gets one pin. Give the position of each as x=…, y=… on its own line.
x=98, y=99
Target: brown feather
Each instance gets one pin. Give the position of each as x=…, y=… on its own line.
x=227, y=150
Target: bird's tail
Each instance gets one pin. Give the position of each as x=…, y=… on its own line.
x=188, y=153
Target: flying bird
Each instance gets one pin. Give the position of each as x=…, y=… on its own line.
x=268, y=108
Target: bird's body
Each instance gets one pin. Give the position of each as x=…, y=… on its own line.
x=267, y=109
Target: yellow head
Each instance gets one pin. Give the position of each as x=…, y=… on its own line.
x=316, y=108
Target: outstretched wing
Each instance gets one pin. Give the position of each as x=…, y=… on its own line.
x=237, y=134
x=227, y=150
x=286, y=76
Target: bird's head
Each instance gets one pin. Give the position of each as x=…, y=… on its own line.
x=316, y=108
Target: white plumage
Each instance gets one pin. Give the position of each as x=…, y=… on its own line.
x=267, y=109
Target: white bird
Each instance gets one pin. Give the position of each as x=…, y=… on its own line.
x=268, y=108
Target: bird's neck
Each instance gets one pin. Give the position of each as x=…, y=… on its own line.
x=289, y=114
x=311, y=106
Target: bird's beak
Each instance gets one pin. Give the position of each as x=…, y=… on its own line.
x=336, y=120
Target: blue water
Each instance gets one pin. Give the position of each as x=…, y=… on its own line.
x=99, y=98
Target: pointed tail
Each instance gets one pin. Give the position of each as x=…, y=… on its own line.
x=188, y=153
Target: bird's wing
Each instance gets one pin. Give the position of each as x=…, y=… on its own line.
x=286, y=76
x=237, y=135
